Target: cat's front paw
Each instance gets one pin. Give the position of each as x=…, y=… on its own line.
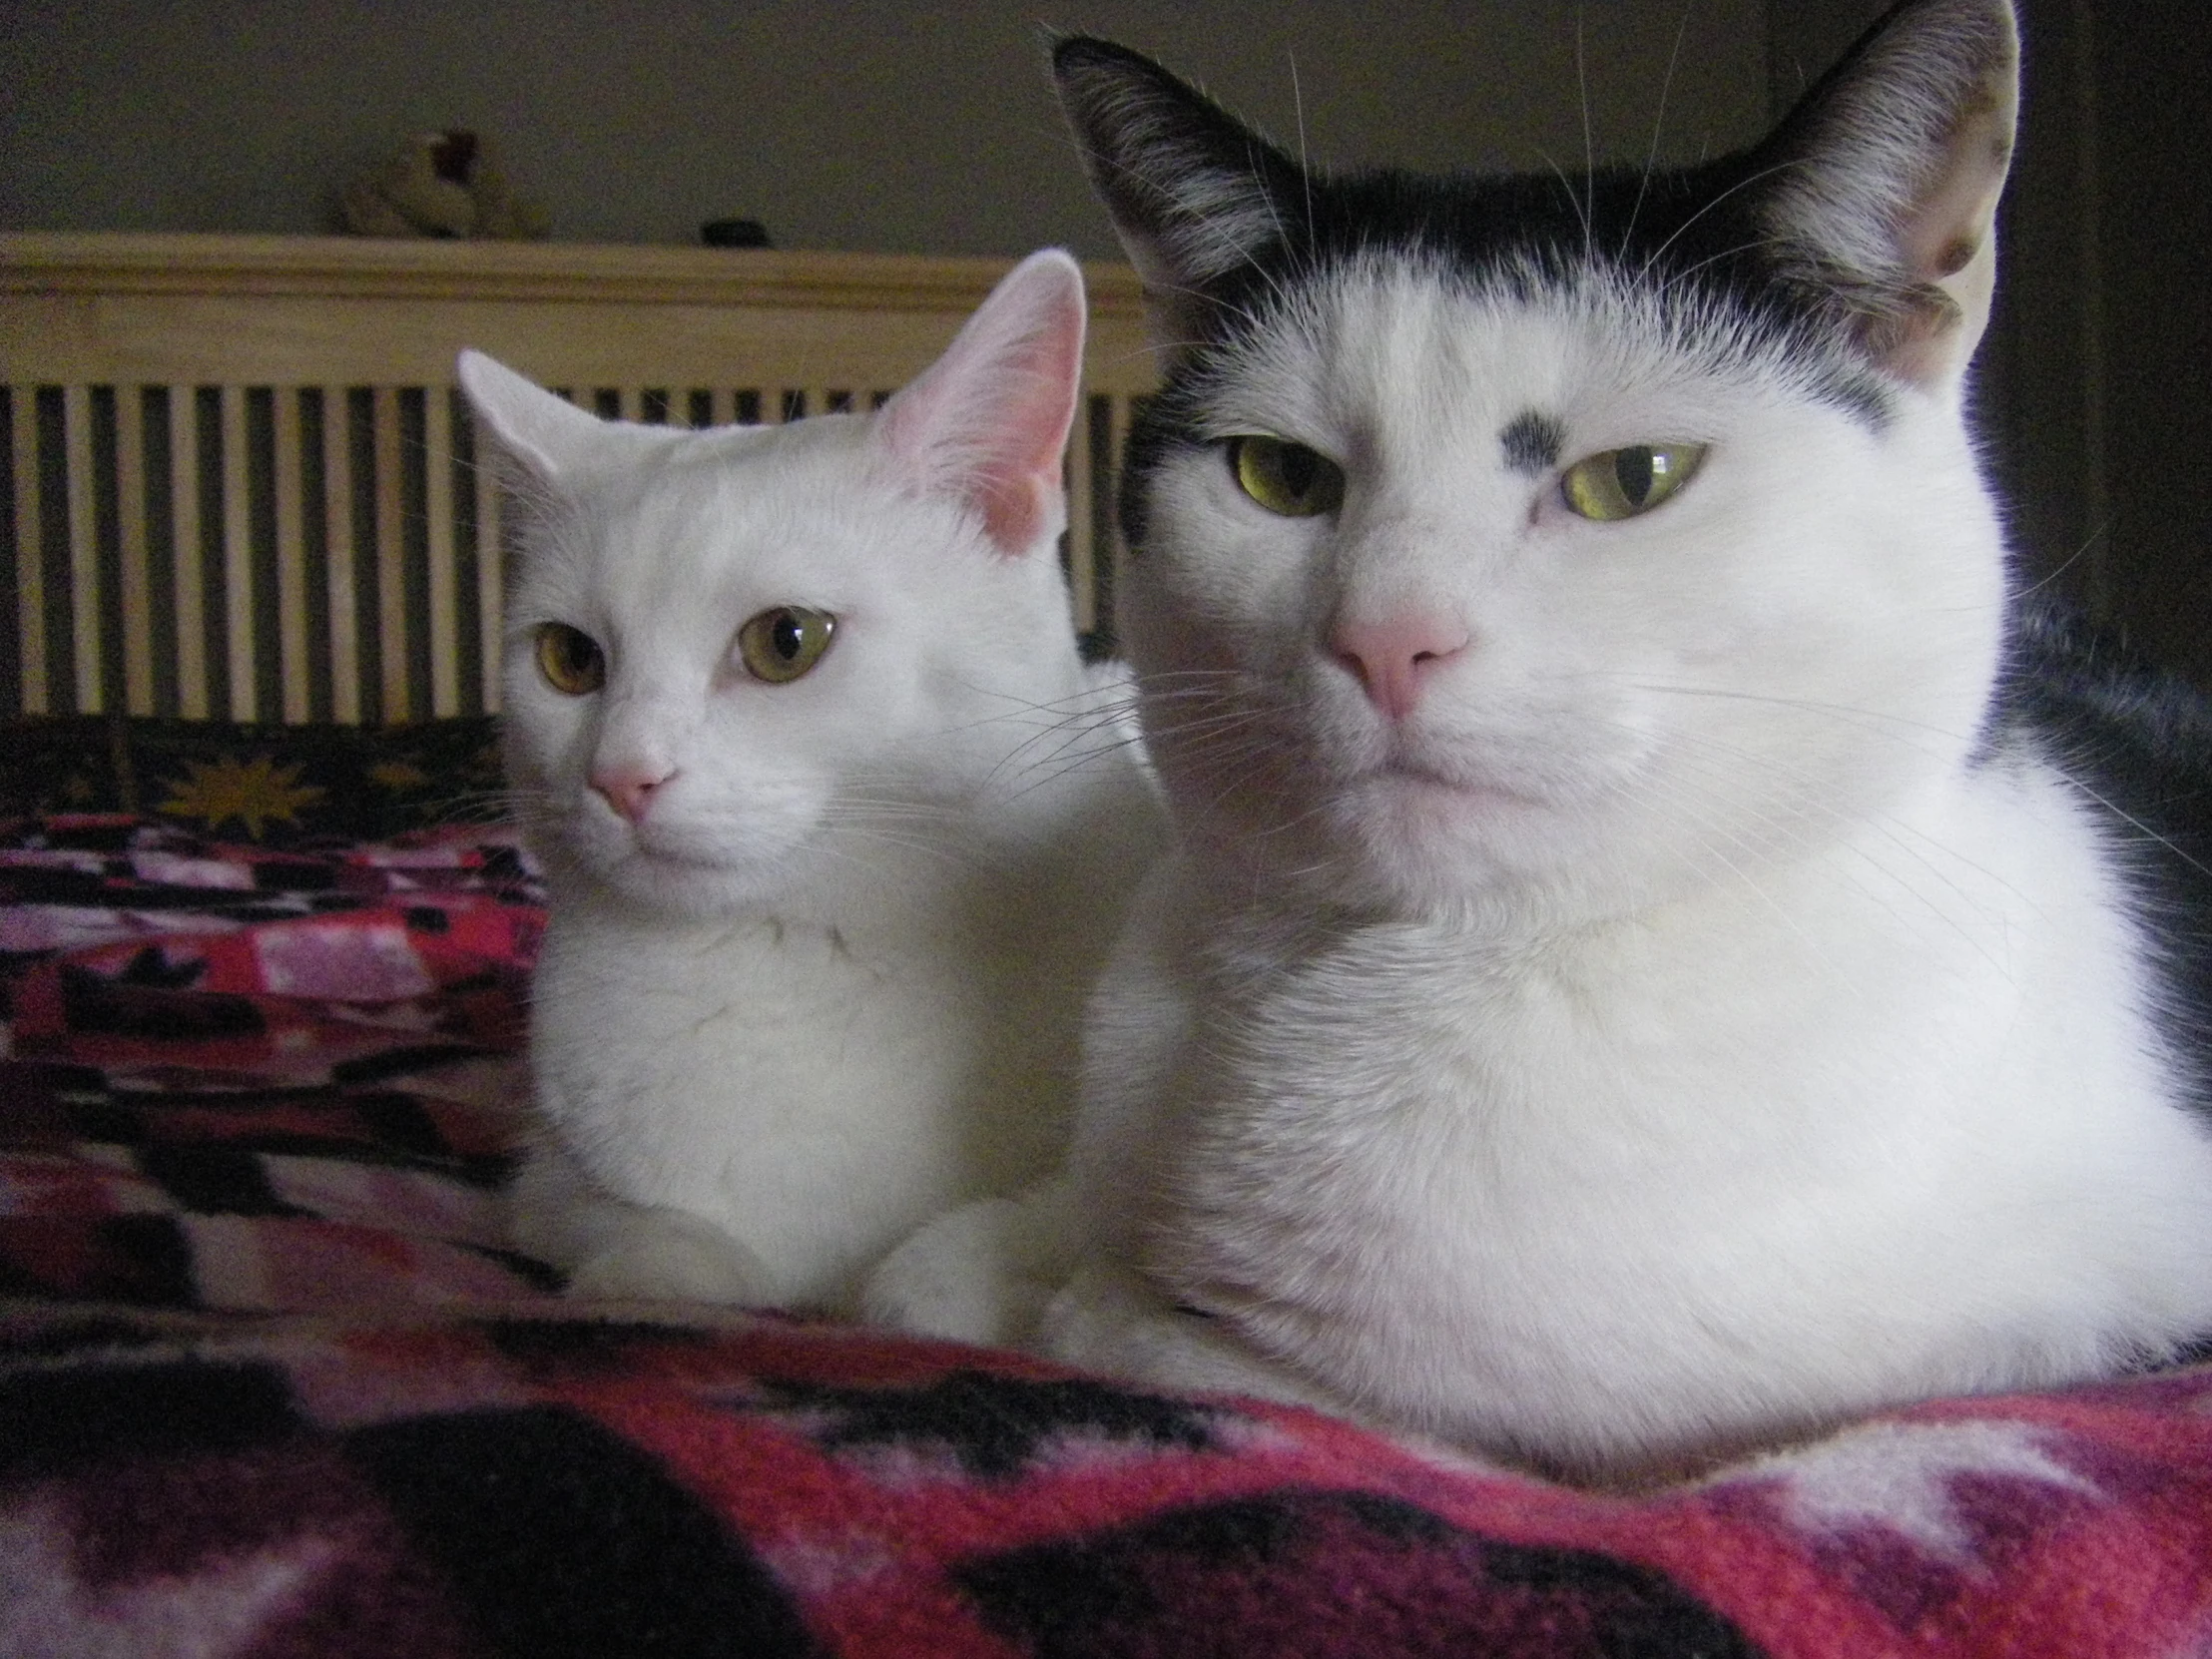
x=1111, y=1320
x=661, y=1255
x=981, y=1273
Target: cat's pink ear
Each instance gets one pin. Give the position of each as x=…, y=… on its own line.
x=988, y=421
x=544, y=433
x=1882, y=186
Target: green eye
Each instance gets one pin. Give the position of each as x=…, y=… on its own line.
x=1286, y=478
x=570, y=660
x=781, y=645
x=1620, y=483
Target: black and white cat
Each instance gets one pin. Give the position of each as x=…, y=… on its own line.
x=835, y=824
x=1666, y=948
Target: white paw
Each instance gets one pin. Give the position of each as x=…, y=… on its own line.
x=1113, y=1320
x=981, y=1273
x=950, y=1280
x=662, y=1254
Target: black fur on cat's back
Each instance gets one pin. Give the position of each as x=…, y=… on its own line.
x=2137, y=744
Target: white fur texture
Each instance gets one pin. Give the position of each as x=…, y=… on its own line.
x=827, y=982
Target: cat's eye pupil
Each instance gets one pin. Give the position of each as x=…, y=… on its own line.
x=1636, y=467
x=785, y=636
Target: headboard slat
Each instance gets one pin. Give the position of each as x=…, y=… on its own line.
x=342, y=579
x=387, y=506
x=29, y=579
x=287, y=487
x=194, y=695
x=445, y=632
x=133, y=507
x=84, y=547
x=237, y=558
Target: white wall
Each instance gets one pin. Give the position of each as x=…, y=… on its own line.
x=897, y=128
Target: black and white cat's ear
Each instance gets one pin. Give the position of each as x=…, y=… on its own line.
x=1194, y=193
x=545, y=434
x=1885, y=180
x=988, y=421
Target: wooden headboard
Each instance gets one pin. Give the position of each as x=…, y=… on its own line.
x=239, y=483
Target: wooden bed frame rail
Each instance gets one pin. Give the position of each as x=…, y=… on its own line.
x=237, y=481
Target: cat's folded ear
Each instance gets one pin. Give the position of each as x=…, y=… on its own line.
x=545, y=435
x=988, y=421
x=1194, y=193
x=1883, y=184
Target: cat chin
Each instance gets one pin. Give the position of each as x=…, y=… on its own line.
x=1405, y=817
x=1422, y=860
x=1419, y=794
x=680, y=885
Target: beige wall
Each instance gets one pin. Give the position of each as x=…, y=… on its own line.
x=860, y=126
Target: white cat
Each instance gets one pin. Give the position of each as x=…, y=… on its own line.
x=836, y=826
x=1664, y=948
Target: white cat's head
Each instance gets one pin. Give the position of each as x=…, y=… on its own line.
x=1561, y=542
x=746, y=659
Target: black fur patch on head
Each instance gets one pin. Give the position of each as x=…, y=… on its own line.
x=1532, y=443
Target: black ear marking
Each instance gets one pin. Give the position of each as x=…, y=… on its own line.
x=1193, y=192
x=1532, y=443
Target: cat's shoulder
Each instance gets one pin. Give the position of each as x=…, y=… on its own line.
x=2091, y=703
x=2134, y=747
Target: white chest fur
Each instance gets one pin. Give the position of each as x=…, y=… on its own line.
x=1691, y=1176
x=815, y=1090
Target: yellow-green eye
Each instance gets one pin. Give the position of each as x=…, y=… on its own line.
x=570, y=660
x=780, y=645
x=1286, y=478
x=1620, y=483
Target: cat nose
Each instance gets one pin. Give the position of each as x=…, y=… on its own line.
x=629, y=790
x=1391, y=658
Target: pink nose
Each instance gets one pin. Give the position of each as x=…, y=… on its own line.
x=1391, y=658
x=629, y=790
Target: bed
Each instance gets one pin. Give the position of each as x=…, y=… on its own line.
x=272, y=1381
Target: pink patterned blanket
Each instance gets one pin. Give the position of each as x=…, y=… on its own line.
x=272, y=1385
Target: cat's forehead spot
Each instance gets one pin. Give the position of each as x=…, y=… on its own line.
x=1532, y=443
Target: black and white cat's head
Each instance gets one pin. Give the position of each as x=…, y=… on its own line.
x=1511, y=536
x=743, y=659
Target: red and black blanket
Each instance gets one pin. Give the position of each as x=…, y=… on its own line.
x=272, y=1383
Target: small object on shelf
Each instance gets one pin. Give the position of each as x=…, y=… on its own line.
x=734, y=232
x=444, y=183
